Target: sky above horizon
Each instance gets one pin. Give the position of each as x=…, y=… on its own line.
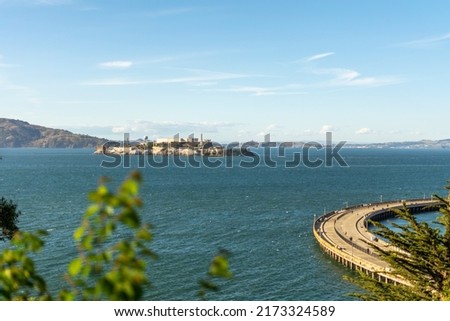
x=369, y=71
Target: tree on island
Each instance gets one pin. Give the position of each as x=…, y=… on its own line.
x=421, y=257
x=107, y=267
x=8, y=219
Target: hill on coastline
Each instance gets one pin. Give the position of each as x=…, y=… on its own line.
x=17, y=133
x=421, y=144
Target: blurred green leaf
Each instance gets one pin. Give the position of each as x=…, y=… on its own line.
x=220, y=267
x=79, y=232
x=107, y=267
x=75, y=266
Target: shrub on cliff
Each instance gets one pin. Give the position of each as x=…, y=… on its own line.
x=8, y=218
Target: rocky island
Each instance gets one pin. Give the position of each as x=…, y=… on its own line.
x=177, y=146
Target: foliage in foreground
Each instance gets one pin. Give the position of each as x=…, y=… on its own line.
x=422, y=259
x=8, y=219
x=113, y=254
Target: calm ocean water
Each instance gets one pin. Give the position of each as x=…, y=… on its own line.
x=262, y=215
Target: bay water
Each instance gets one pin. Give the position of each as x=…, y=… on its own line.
x=262, y=215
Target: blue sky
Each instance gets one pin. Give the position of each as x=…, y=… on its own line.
x=370, y=71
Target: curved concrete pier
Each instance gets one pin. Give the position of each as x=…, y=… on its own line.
x=343, y=235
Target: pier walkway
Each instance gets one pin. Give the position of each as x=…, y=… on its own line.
x=343, y=235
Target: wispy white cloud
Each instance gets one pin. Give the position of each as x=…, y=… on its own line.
x=169, y=128
x=93, y=130
x=330, y=78
x=364, y=131
x=117, y=64
x=272, y=127
x=113, y=82
x=211, y=80
x=125, y=64
x=326, y=128
x=196, y=77
x=252, y=90
x=350, y=78
x=202, y=76
x=317, y=57
x=335, y=78
x=264, y=91
x=427, y=42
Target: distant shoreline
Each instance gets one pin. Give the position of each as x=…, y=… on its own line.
x=350, y=146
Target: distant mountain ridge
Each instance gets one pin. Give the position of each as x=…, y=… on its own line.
x=421, y=144
x=18, y=133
